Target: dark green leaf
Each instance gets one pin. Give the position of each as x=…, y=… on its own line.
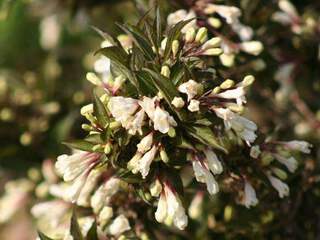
x=206, y=136
x=75, y=228
x=92, y=233
x=80, y=144
x=107, y=36
x=146, y=84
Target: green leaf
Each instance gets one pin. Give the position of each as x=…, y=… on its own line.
x=158, y=23
x=92, y=233
x=107, y=36
x=43, y=237
x=174, y=34
x=168, y=90
x=139, y=39
x=100, y=111
x=142, y=195
x=146, y=84
x=80, y=144
x=205, y=135
x=75, y=228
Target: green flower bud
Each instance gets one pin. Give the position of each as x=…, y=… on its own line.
x=214, y=22
x=248, y=80
x=107, y=148
x=216, y=90
x=280, y=173
x=172, y=132
x=175, y=47
x=212, y=43
x=190, y=35
x=164, y=156
x=202, y=35
x=165, y=71
x=227, y=84
x=213, y=52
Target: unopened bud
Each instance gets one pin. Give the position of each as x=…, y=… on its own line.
x=202, y=35
x=175, y=47
x=227, y=60
x=190, y=35
x=266, y=159
x=227, y=84
x=280, y=173
x=87, y=127
x=172, y=132
x=212, y=43
x=216, y=90
x=252, y=47
x=248, y=80
x=235, y=107
x=107, y=148
x=105, y=215
x=214, y=22
x=165, y=71
x=155, y=188
x=213, y=52
x=164, y=156
x=114, y=125
x=164, y=43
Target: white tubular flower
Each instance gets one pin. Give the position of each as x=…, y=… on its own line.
x=146, y=160
x=252, y=47
x=194, y=106
x=102, y=65
x=87, y=189
x=182, y=15
x=104, y=192
x=191, y=88
x=122, y=108
x=242, y=126
x=119, y=225
x=249, y=198
x=177, y=102
x=229, y=13
x=238, y=94
x=71, y=166
x=146, y=143
x=161, y=213
x=281, y=187
x=203, y=175
x=291, y=163
x=301, y=146
x=75, y=188
x=163, y=121
x=148, y=105
x=136, y=124
x=175, y=209
x=213, y=162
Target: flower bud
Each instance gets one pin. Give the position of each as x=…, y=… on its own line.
x=163, y=155
x=164, y=44
x=105, y=215
x=87, y=127
x=214, y=22
x=93, y=78
x=252, y=47
x=248, y=80
x=280, y=173
x=227, y=84
x=213, y=52
x=235, y=107
x=177, y=102
x=212, y=43
x=202, y=35
x=227, y=60
x=165, y=71
x=175, y=47
x=172, y=132
x=156, y=188
x=190, y=35
x=107, y=148
x=216, y=90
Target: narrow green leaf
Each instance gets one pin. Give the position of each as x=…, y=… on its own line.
x=174, y=34
x=146, y=84
x=75, y=228
x=80, y=144
x=107, y=36
x=92, y=233
x=100, y=111
x=43, y=237
x=205, y=135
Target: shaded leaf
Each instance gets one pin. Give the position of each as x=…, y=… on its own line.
x=92, y=233
x=75, y=228
x=100, y=111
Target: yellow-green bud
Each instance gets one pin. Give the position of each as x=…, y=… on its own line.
x=97, y=147
x=212, y=43
x=202, y=35
x=216, y=90
x=227, y=60
x=190, y=35
x=175, y=47
x=172, y=132
x=107, y=148
x=93, y=78
x=266, y=159
x=248, y=80
x=235, y=107
x=114, y=125
x=164, y=156
x=155, y=188
x=214, y=22
x=213, y=52
x=165, y=71
x=280, y=173
x=227, y=84
x=228, y=212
